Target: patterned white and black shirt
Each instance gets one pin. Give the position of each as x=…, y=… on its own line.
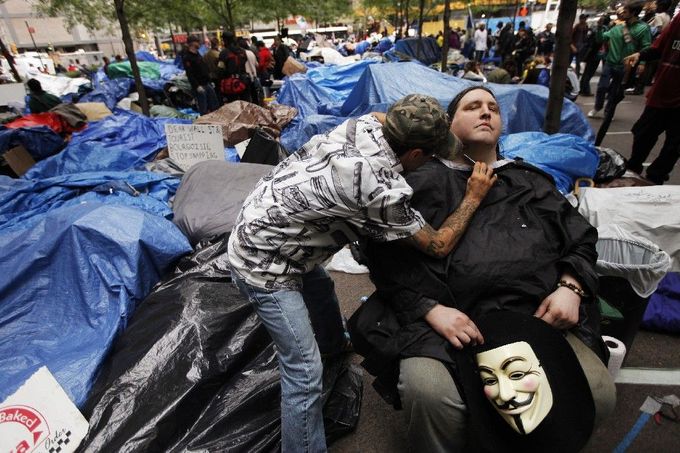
x=340, y=185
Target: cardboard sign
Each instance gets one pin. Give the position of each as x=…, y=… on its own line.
x=19, y=160
x=189, y=144
x=40, y=417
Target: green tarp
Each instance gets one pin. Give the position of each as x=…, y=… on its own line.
x=148, y=69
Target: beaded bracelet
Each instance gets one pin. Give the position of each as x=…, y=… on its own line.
x=572, y=287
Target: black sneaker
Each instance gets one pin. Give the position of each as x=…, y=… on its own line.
x=658, y=180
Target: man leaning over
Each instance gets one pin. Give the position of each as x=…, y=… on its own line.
x=341, y=185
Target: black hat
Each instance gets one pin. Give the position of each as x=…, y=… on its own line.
x=568, y=424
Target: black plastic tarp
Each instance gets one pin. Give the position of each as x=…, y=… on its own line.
x=196, y=371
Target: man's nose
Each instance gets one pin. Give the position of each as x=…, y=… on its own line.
x=506, y=391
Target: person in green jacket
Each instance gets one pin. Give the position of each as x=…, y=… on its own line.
x=40, y=100
x=623, y=39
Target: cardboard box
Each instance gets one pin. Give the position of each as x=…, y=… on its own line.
x=19, y=160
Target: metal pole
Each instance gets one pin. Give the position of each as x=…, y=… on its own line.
x=34, y=45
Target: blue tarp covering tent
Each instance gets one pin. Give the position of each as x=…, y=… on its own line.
x=429, y=52
x=80, y=251
x=379, y=85
x=69, y=281
x=339, y=81
x=23, y=200
x=110, y=92
x=123, y=141
x=167, y=69
x=40, y=142
x=565, y=157
x=318, y=95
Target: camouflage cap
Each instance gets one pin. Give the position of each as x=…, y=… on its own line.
x=419, y=121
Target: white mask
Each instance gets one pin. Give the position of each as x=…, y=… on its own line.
x=516, y=385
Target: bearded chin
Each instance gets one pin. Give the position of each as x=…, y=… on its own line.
x=519, y=424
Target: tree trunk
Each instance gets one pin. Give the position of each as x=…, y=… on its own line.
x=172, y=38
x=10, y=61
x=420, y=29
x=565, y=20
x=398, y=22
x=447, y=33
x=130, y=51
x=230, y=16
x=406, y=7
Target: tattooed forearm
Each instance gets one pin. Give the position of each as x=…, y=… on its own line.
x=439, y=243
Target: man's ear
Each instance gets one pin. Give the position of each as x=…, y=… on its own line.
x=411, y=156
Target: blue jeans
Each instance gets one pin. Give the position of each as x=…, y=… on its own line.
x=609, y=87
x=207, y=100
x=288, y=317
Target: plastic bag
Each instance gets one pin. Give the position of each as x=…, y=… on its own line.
x=663, y=311
x=196, y=371
x=612, y=165
x=565, y=157
x=640, y=262
x=263, y=149
x=344, y=261
x=240, y=118
x=647, y=212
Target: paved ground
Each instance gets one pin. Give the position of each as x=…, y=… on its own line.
x=382, y=429
x=619, y=136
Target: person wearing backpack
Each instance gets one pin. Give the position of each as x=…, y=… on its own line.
x=256, y=93
x=234, y=81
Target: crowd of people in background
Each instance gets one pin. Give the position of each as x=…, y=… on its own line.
x=234, y=69
x=244, y=68
x=523, y=56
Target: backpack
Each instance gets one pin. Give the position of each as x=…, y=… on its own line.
x=235, y=83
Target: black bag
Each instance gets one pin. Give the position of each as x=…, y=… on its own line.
x=263, y=149
x=612, y=165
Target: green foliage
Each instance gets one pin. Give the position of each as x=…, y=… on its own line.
x=93, y=14
x=597, y=5
x=157, y=14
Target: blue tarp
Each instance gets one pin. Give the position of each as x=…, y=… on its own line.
x=110, y=92
x=143, y=55
x=379, y=85
x=23, y=201
x=69, y=281
x=564, y=156
x=663, y=311
x=40, y=142
x=323, y=89
x=167, y=69
x=429, y=52
x=119, y=142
